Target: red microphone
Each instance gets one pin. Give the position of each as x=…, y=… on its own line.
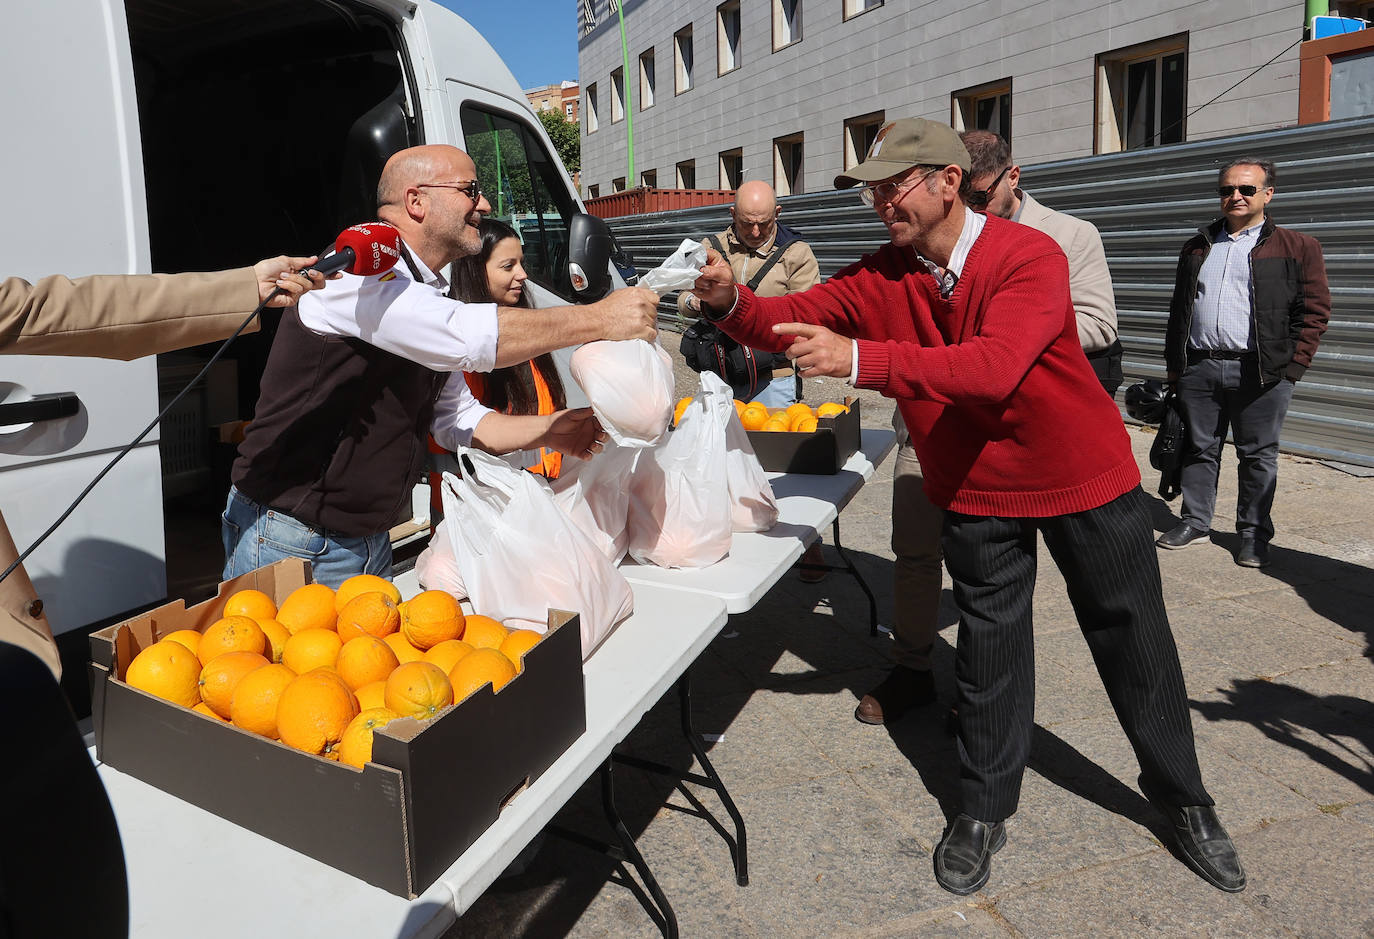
x=367, y=249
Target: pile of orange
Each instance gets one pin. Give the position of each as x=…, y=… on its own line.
x=797, y=418
x=325, y=669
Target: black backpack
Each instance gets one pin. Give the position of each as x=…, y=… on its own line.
x=705, y=348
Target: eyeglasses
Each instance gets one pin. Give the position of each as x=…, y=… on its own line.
x=888, y=192
x=469, y=188
x=1246, y=191
x=979, y=198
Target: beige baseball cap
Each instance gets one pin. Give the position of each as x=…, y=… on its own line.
x=904, y=143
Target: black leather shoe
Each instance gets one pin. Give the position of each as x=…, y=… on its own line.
x=963, y=858
x=1203, y=842
x=1252, y=553
x=903, y=689
x=1182, y=535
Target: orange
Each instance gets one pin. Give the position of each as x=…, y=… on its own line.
x=754, y=416
x=187, y=637
x=313, y=712
x=797, y=407
x=276, y=634
x=796, y=417
x=778, y=422
x=483, y=632
x=254, y=704
x=231, y=634
x=203, y=708
x=308, y=607
x=739, y=406
x=369, y=614
x=405, y=652
x=805, y=425
x=310, y=649
x=447, y=653
x=168, y=670
x=419, y=689
x=355, y=748
x=431, y=617
x=253, y=603
x=474, y=671
x=518, y=643
x=681, y=406
x=371, y=695
x=221, y=676
x=359, y=584
x=365, y=660
x=830, y=409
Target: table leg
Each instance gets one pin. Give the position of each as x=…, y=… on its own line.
x=854, y=572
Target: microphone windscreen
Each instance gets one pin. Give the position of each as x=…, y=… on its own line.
x=376, y=247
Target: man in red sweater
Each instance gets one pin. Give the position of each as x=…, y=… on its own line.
x=966, y=320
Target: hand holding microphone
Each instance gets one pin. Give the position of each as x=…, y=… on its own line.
x=368, y=249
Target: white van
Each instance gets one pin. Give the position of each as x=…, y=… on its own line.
x=146, y=136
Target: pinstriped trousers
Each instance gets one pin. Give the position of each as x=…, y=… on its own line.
x=1108, y=560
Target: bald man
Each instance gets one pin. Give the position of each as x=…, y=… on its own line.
x=755, y=241
x=360, y=371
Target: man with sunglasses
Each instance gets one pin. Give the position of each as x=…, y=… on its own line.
x=966, y=320
x=361, y=371
x=1250, y=304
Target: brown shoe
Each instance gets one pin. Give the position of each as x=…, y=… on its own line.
x=903, y=689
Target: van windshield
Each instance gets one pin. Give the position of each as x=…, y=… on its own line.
x=524, y=185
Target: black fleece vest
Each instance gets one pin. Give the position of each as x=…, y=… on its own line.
x=338, y=439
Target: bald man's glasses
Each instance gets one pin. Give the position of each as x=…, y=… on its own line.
x=469, y=188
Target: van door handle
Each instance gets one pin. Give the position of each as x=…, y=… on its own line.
x=47, y=407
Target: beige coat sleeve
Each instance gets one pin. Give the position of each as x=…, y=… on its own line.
x=22, y=622
x=123, y=316
x=803, y=270
x=1090, y=281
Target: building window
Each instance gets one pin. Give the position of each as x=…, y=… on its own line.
x=1142, y=95
x=1360, y=9
x=687, y=174
x=618, y=184
x=682, y=60
x=853, y=8
x=618, y=96
x=594, y=192
x=570, y=111
x=649, y=179
x=787, y=165
x=592, y=122
x=731, y=168
x=859, y=133
x=646, y=80
x=727, y=37
x=984, y=107
x=787, y=23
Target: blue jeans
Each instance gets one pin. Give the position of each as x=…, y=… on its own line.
x=256, y=536
x=778, y=393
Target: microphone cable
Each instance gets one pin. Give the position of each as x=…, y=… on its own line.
x=276, y=291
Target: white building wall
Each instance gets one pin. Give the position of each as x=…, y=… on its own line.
x=906, y=58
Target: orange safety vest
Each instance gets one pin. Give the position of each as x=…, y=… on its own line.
x=550, y=462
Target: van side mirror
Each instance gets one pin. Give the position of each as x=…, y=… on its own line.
x=590, y=244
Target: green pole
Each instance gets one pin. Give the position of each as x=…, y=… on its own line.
x=629, y=103
x=1316, y=8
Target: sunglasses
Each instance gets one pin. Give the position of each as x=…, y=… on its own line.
x=979, y=198
x=1246, y=191
x=469, y=188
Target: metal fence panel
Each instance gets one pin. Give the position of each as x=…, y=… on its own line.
x=1146, y=204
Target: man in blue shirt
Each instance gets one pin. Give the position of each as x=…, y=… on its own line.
x=1249, y=306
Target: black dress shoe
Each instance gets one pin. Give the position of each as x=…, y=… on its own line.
x=1252, y=553
x=903, y=689
x=1204, y=843
x=1182, y=535
x=963, y=858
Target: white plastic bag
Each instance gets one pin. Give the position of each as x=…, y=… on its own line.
x=679, y=272
x=520, y=555
x=630, y=387
x=437, y=568
x=594, y=494
x=679, y=495
x=752, y=505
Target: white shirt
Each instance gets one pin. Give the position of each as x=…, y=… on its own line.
x=417, y=322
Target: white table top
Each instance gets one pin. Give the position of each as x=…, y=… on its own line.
x=806, y=505
x=177, y=854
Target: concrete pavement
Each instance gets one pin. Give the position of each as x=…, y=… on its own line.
x=842, y=817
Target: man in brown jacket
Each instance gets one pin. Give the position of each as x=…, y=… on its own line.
x=115, y=316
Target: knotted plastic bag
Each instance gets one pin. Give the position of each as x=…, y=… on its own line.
x=630, y=387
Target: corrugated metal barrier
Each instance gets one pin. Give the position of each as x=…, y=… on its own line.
x=1146, y=204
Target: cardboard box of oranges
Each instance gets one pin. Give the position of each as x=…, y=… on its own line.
x=431, y=788
x=820, y=451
